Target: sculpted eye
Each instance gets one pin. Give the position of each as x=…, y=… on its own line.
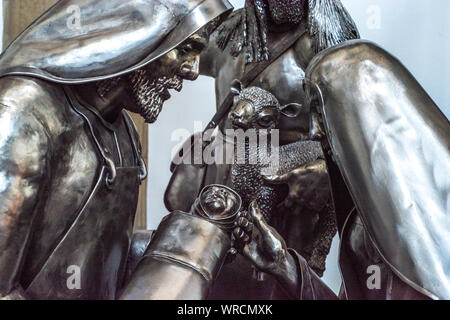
x=265, y=121
x=185, y=49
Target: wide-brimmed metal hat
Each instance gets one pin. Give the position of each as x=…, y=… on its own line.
x=79, y=41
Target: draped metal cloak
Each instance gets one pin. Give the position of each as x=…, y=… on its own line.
x=391, y=144
x=79, y=41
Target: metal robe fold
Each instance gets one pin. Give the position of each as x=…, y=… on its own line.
x=391, y=143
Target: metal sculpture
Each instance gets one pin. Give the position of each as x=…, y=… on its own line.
x=70, y=160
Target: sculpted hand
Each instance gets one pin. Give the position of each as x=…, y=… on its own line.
x=308, y=186
x=263, y=246
x=260, y=243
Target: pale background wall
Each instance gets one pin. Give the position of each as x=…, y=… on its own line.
x=1, y=24
x=416, y=31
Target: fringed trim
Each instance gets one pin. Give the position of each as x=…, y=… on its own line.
x=329, y=24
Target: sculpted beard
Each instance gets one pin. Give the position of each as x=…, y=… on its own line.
x=148, y=92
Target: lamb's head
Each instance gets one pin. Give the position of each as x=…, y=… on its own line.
x=256, y=108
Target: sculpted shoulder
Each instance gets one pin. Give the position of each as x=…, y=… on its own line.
x=347, y=59
x=31, y=97
x=24, y=137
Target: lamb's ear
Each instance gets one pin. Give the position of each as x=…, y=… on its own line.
x=291, y=110
x=236, y=87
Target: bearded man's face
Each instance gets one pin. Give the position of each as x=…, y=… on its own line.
x=150, y=85
x=149, y=91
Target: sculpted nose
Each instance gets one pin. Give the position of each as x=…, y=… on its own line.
x=190, y=69
x=237, y=119
x=236, y=115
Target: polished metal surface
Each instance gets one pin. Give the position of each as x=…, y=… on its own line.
x=180, y=195
x=92, y=48
x=218, y=204
x=256, y=108
x=328, y=24
x=71, y=165
x=53, y=139
x=281, y=79
x=23, y=167
x=391, y=143
x=358, y=255
x=389, y=139
x=269, y=253
x=202, y=249
x=70, y=160
x=139, y=244
x=187, y=251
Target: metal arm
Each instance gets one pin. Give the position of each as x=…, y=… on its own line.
x=23, y=167
x=181, y=262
